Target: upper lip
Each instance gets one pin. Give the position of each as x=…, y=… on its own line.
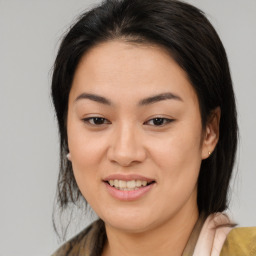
x=127, y=177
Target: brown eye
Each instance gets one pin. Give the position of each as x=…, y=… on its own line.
x=159, y=121
x=96, y=120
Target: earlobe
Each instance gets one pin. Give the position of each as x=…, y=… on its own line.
x=211, y=133
x=68, y=156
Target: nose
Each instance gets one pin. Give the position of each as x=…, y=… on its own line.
x=126, y=146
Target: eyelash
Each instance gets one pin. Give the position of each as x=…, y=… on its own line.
x=103, y=121
x=162, y=120
x=88, y=119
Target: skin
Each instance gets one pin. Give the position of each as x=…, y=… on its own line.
x=128, y=141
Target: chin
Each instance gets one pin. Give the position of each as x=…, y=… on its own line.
x=134, y=227
x=131, y=222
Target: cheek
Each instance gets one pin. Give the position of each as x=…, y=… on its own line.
x=85, y=147
x=179, y=159
x=86, y=166
x=178, y=148
x=86, y=154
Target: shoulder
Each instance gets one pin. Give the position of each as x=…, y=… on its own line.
x=80, y=244
x=240, y=241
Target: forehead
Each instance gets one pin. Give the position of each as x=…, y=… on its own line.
x=118, y=66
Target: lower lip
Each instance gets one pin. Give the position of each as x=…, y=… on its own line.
x=131, y=195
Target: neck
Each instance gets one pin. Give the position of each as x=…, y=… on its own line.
x=168, y=239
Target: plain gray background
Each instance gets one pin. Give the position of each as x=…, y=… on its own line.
x=30, y=33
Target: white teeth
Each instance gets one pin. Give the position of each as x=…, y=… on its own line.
x=127, y=185
x=138, y=183
x=144, y=183
x=122, y=184
x=116, y=183
x=131, y=184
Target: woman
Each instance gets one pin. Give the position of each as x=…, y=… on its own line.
x=148, y=130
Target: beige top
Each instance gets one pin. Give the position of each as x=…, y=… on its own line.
x=207, y=238
x=90, y=242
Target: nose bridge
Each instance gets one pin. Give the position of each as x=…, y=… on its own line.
x=126, y=146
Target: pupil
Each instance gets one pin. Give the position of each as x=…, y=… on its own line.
x=98, y=120
x=158, y=121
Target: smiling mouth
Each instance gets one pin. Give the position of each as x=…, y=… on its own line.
x=129, y=185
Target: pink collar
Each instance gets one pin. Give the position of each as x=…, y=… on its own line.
x=213, y=235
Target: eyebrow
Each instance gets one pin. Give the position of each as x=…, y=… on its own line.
x=93, y=97
x=143, y=102
x=160, y=97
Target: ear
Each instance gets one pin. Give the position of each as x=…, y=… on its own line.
x=211, y=133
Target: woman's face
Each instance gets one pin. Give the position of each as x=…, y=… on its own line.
x=135, y=135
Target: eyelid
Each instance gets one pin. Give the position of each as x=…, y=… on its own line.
x=166, y=121
x=87, y=120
